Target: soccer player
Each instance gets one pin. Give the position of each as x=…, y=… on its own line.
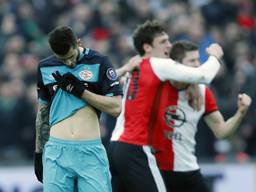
x=176, y=125
x=74, y=85
x=132, y=163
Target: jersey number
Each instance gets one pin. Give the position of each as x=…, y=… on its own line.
x=133, y=88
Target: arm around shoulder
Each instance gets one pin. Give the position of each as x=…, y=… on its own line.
x=129, y=66
x=168, y=69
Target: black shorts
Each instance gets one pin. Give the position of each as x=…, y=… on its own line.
x=134, y=169
x=190, y=181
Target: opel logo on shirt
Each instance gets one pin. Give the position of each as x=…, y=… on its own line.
x=174, y=116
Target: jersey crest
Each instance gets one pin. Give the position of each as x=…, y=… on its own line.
x=86, y=75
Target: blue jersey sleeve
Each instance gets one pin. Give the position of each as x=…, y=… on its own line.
x=109, y=79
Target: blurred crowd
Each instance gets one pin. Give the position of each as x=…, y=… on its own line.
x=107, y=26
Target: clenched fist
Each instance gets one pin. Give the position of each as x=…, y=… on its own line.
x=243, y=103
x=215, y=50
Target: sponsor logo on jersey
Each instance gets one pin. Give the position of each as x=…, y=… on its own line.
x=111, y=74
x=170, y=135
x=174, y=116
x=86, y=75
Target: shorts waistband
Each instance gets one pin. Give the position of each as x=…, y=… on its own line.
x=75, y=142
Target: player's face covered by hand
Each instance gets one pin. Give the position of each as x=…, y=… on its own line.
x=70, y=58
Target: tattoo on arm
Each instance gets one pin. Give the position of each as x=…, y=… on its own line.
x=42, y=127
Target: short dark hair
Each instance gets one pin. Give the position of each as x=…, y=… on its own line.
x=145, y=33
x=180, y=48
x=61, y=39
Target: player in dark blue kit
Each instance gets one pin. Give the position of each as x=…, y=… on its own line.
x=74, y=85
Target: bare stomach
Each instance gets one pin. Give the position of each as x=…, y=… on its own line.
x=83, y=125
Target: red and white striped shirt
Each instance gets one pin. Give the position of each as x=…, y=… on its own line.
x=141, y=89
x=176, y=126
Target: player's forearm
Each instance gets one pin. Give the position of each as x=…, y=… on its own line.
x=110, y=105
x=203, y=74
x=230, y=125
x=167, y=69
x=121, y=71
x=42, y=127
x=129, y=66
x=209, y=69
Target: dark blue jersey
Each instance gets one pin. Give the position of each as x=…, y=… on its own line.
x=93, y=69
